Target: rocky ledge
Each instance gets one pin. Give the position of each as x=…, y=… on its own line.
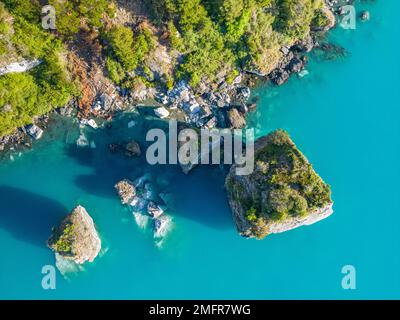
x=283, y=192
x=76, y=238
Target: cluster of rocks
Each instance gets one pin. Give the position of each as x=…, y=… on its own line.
x=24, y=136
x=142, y=198
x=293, y=62
x=209, y=108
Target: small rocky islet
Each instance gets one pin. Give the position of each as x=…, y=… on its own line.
x=76, y=238
x=146, y=205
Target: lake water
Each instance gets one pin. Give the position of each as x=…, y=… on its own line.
x=344, y=116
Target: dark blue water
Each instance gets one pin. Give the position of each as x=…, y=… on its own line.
x=344, y=116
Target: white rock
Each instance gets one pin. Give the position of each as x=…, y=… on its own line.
x=19, y=67
x=92, y=124
x=161, y=112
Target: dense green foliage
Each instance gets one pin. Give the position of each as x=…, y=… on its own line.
x=63, y=243
x=287, y=186
x=222, y=35
x=126, y=52
x=72, y=13
x=23, y=96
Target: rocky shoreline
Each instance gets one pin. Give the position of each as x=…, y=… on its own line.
x=220, y=104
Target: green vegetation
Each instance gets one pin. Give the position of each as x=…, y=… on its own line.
x=251, y=214
x=63, y=244
x=126, y=52
x=217, y=36
x=286, y=185
x=72, y=14
x=46, y=86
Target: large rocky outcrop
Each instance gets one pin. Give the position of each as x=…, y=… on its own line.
x=76, y=237
x=282, y=193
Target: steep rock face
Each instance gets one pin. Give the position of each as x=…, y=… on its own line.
x=283, y=192
x=76, y=238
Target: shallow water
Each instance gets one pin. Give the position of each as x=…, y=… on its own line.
x=344, y=116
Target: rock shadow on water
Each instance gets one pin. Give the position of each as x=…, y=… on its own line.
x=105, y=172
x=108, y=168
x=199, y=196
x=28, y=216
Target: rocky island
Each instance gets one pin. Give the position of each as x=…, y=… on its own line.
x=76, y=237
x=284, y=192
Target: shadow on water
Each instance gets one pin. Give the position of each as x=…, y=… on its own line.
x=199, y=196
x=28, y=216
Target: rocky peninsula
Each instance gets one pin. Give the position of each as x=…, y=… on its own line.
x=76, y=238
x=284, y=192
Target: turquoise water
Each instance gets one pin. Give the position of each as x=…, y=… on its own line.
x=344, y=116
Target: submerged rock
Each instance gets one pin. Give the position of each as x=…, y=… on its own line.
x=154, y=210
x=82, y=141
x=76, y=238
x=132, y=149
x=282, y=193
x=126, y=191
x=161, y=226
x=365, y=16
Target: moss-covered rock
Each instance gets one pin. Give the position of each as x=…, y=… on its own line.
x=283, y=192
x=76, y=237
